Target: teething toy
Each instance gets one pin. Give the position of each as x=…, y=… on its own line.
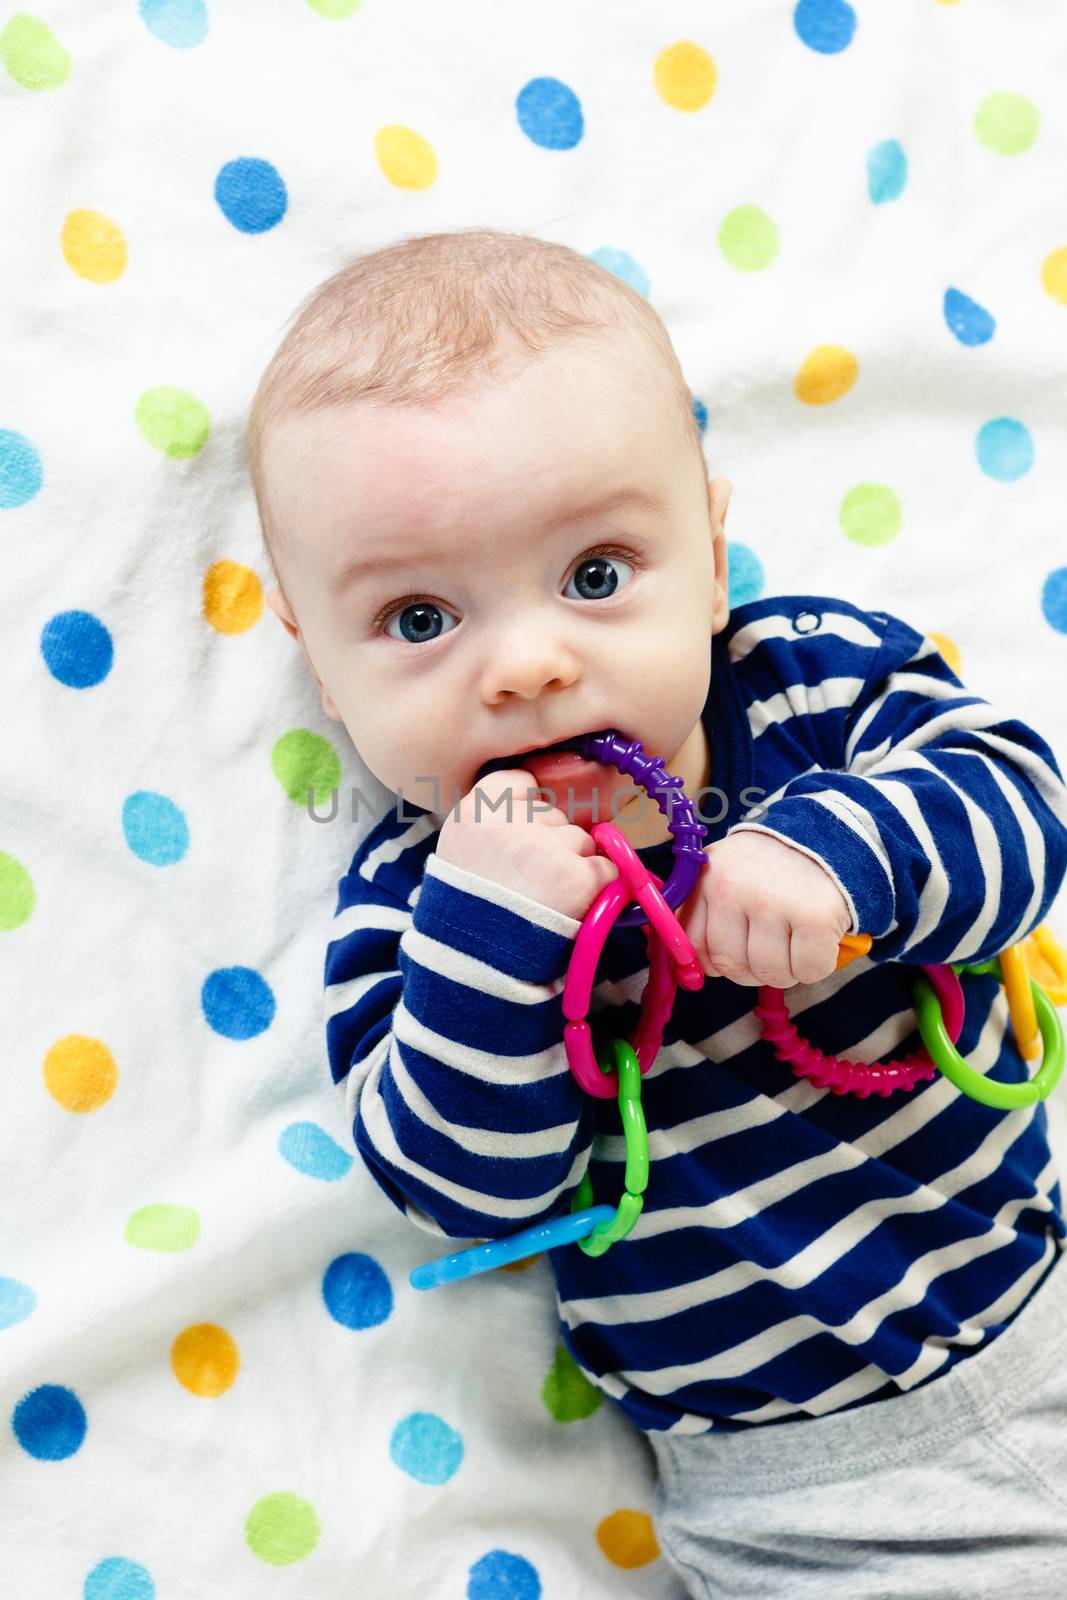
x=616, y=1070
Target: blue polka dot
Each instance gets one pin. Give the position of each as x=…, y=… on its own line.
x=887, y=171
x=237, y=1002
x=623, y=266
x=426, y=1448
x=700, y=411
x=49, y=1422
x=502, y=1576
x=77, y=649
x=118, y=1579
x=17, y=1300
x=825, y=25
x=1054, y=599
x=20, y=470
x=357, y=1292
x=155, y=828
x=251, y=194
x=969, y=321
x=1005, y=449
x=309, y=1149
x=746, y=578
x=550, y=114
x=178, y=22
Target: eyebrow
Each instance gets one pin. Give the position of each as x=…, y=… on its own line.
x=360, y=567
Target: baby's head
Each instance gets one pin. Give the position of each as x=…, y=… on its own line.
x=483, y=493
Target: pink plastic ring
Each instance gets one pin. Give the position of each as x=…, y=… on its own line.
x=861, y=1078
x=671, y=960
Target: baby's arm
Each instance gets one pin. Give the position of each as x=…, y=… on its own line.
x=941, y=819
x=444, y=1022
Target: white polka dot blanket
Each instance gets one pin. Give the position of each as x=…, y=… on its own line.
x=215, y=1378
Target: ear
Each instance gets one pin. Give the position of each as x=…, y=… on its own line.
x=719, y=491
x=283, y=611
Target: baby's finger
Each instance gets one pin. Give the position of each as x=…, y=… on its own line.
x=768, y=953
x=813, y=953
x=727, y=941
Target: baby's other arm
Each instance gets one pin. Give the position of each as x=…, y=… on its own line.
x=940, y=818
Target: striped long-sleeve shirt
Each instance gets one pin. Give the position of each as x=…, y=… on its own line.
x=799, y=1252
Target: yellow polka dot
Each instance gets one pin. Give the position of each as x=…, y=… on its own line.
x=94, y=246
x=233, y=597
x=946, y=2
x=827, y=373
x=205, y=1360
x=405, y=157
x=685, y=76
x=80, y=1073
x=949, y=649
x=627, y=1539
x=1054, y=275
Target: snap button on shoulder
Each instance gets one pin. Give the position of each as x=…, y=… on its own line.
x=806, y=622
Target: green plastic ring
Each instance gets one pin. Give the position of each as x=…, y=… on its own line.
x=1003, y=1096
x=620, y=1057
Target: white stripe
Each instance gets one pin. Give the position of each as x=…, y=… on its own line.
x=511, y=1146
x=835, y=624
x=927, y=688
x=353, y=919
x=487, y=1066
x=339, y=997
x=391, y=850
x=936, y=891
x=380, y=1132
x=984, y=839
x=801, y=699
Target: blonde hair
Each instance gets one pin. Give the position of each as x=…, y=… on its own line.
x=411, y=323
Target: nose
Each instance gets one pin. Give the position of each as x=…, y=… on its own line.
x=523, y=663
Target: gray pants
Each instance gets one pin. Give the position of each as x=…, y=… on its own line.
x=954, y=1491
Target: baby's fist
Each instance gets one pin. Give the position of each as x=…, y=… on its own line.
x=765, y=913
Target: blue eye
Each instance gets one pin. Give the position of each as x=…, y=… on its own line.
x=421, y=621
x=595, y=578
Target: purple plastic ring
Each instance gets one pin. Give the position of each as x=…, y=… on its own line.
x=629, y=756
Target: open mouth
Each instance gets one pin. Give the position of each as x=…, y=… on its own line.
x=574, y=743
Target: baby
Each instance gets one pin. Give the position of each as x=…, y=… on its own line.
x=838, y=1320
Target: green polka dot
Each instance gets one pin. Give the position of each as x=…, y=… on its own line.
x=1007, y=123
x=163, y=1227
x=32, y=54
x=303, y=760
x=567, y=1393
x=16, y=893
x=335, y=10
x=173, y=420
x=870, y=514
x=748, y=239
x=282, y=1528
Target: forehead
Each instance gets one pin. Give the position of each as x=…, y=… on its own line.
x=511, y=450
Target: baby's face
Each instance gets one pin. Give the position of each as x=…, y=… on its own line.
x=547, y=565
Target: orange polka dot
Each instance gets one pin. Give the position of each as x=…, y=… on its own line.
x=94, y=246
x=826, y=374
x=80, y=1073
x=949, y=649
x=1054, y=275
x=233, y=597
x=205, y=1359
x=628, y=1539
